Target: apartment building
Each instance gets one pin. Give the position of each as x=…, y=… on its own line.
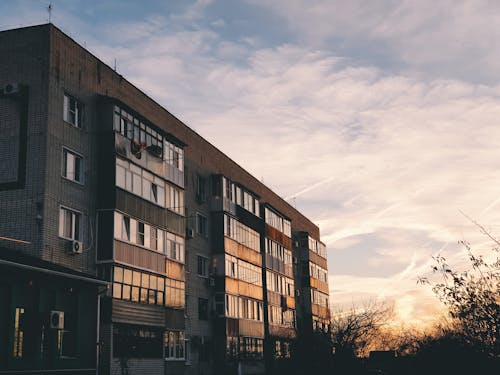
x=143, y=248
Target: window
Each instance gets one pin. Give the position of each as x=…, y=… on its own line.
x=232, y=346
x=175, y=293
x=280, y=284
x=136, y=342
x=140, y=182
x=70, y=223
x=174, y=155
x=249, y=273
x=202, y=266
x=175, y=247
x=318, y=272
x=175, y=199
x=153, y=238
x=278, y=222
x=19, y=333
x=202, y=308
x=201, y=225
x=231, y=306
x=317, y=246
x=134, y=129
x=251, y=347
x=66, y=338
x=72, y=166
x=138, y=286
x=73, y=111
x=279, y=316
x=174, y=345
x=240, y=196
x=231, y=266
x=241, y=233
x=319, y=298
x=201, y=194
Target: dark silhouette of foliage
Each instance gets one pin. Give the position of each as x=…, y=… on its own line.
x=472, y=297
x=355, y=331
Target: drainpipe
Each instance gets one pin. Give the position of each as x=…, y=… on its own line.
x=98, y=328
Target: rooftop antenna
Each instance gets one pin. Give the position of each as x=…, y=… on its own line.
x=49, y=9
x=115, y=65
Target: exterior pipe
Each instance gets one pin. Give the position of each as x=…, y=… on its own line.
x=52, y=272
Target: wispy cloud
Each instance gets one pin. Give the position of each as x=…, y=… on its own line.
x=381, y=146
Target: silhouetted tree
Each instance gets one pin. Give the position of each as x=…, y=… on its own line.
x=472, y=296
x=354, y=331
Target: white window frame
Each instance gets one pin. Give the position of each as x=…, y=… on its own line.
x=77, y=111
x=74, y=213
x=64, y=164
x=167, y=355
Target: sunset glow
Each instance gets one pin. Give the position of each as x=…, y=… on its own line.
x=382, y=117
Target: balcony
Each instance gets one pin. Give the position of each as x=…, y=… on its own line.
x=320, y=311
x=243, y=327
x=319, y=285
x=139, y=257
x=218, y=203
x=278, y=236
x=240, y=251
x=242, y=288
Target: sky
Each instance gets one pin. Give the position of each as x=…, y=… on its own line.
x=376, y=119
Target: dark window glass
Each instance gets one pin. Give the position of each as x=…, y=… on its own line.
x=202, y=308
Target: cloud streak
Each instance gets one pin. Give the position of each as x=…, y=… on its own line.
x=381, y=146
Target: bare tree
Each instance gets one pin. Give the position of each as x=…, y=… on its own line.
x=356, y=330
x=472, y=296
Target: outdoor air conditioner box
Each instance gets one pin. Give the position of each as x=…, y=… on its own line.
x=57, y=319
x=75, y=247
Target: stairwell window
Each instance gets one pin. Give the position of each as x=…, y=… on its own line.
x=72, y=166
x=202, y=266
x=201, y=225
x=73, y=111
x=70, y=224
x=174, y=345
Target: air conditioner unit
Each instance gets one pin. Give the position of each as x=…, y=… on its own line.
x=75, y=247
x=11, y=89
x=154, y=150
x=189, y=233
x=295, y=260
x=57, y=319
x=297, y=293
x=296, y=243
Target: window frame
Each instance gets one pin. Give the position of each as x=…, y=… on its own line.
x=64, y=165
x=174, y=346
x=77, y=112
x=62, y=231
x=200, y=188
x=203, y=308
x=204, y=266
x=200, y=230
